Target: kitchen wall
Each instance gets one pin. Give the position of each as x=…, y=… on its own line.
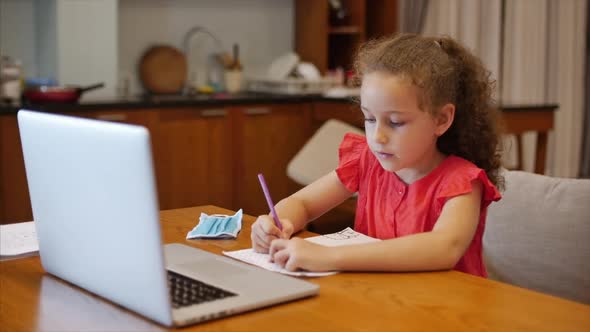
x=17, y=32
x=73, y=41
x=264, y=30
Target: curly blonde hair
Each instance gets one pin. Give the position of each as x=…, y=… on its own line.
x=444, y=72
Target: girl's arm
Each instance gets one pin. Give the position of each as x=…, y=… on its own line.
x=439, y=249
x=298, y=209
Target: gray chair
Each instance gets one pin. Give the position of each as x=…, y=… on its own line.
x=538, y=235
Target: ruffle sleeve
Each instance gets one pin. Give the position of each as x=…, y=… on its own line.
x=461, y=184
x=350, y=153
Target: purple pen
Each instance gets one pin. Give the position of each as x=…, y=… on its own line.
x=271, y=205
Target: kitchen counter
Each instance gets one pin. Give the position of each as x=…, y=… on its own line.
x=143, y=102
x=221, y=99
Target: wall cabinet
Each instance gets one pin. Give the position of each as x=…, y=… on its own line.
x=330, y=43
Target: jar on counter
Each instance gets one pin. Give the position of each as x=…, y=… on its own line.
x=11, y=79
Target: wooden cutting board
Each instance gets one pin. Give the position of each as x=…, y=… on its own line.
x=163, y=69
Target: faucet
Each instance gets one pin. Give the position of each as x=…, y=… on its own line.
x=186, y=48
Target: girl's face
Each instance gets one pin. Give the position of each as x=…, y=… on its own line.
x=400, y=134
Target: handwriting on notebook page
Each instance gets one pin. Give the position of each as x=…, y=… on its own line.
x=344, y=237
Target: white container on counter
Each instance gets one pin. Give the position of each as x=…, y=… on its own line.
x=11, y=75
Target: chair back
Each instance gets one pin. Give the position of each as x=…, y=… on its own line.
x=538, y=235
x=319, y=155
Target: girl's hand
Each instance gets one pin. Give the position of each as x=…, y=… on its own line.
x=298, y=254
x=264, y=231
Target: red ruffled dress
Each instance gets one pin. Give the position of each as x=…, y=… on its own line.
x=388, y=208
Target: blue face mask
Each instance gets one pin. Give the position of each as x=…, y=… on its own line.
x=217, y=226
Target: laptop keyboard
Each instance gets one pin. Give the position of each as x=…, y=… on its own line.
x=186, y=291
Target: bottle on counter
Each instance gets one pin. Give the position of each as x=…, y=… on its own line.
x=233, y=72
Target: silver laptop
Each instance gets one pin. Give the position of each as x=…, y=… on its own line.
x=95, y=207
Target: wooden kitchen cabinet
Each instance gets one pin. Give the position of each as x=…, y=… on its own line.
x=348, y=112
x=324, y=43
x=15, y=204
x=267, y=138
x=193, y=157
x=146, y=118
x=212, y=155
x=202, y=155
x=190, y=150
x=329, y=43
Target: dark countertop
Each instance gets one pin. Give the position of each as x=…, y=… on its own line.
x=157, y=101
x=220, y=99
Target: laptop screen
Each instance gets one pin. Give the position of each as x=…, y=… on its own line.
x=95, y=207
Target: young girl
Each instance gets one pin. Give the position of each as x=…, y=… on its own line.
x=425, y=173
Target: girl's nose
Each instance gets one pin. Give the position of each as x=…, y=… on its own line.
x=380, y=136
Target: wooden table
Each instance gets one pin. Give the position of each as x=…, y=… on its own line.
x=31, y=300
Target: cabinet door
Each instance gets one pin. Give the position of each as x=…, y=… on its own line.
x=267, y=138
x=193, y=157
x=15, y=203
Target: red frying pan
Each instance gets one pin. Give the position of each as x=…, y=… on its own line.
x=65, y=94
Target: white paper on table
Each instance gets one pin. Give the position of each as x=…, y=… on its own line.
x=18, y=239
x=346, y=236
x=263, y=260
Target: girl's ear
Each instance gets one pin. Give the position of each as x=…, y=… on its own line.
x=444, y=118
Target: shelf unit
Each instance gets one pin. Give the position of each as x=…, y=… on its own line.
x=331, y=46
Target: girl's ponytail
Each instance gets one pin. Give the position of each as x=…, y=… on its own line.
x=476, y=116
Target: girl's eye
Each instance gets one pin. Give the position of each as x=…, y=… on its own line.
x=369, y=120
x=396, y=124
